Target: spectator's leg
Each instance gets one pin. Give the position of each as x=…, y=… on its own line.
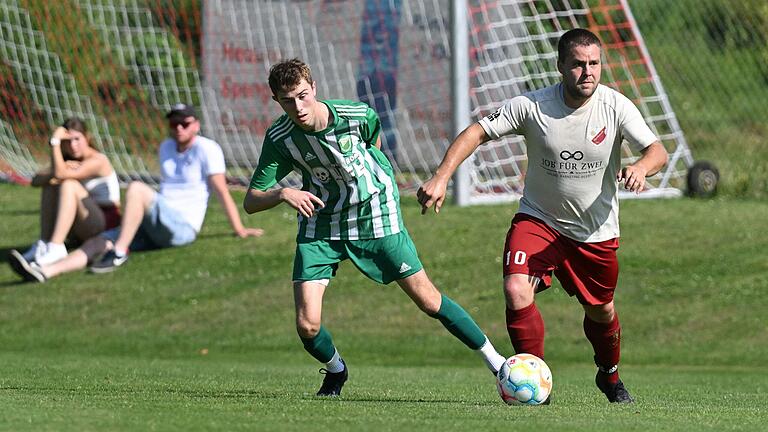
x=138, y=199
x=79, y=258
x=49, y=204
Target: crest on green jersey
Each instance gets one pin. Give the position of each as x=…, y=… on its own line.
x=345, y=144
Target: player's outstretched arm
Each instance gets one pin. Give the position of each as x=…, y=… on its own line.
x=653, y=158
x=432, y=192
x=304, y=202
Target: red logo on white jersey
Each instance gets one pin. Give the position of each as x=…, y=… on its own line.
x=597, y=139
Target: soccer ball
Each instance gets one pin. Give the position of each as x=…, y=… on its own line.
x=524, y=379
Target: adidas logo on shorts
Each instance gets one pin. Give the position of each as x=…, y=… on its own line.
x=404, y=268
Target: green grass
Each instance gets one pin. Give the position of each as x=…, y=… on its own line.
x=224, y=394
x=202, y=337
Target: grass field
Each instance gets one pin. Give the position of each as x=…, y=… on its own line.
x=202, y=337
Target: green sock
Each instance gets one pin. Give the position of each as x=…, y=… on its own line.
x=459, y=323
x=321, y=346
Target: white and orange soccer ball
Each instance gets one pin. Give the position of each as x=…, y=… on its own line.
x=524, y=379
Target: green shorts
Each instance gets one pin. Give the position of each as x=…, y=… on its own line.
x=384, y=259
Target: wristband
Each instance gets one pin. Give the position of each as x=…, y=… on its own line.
x=55, y=142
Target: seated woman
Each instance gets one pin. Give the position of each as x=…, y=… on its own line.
x=80, y=197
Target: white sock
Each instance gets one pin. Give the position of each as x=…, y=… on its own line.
x=53, y=252
x=56, y=246
x=120, y=253
x=493, y=360
x=335, y=365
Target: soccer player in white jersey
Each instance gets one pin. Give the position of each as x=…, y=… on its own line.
x=568, y=217
x=348, y=208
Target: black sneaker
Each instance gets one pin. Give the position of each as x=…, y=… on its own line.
x=108, y=263
x=30, y=271
x=333, y=382
x=616, y=393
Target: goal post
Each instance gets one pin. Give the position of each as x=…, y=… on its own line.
x=462, y=114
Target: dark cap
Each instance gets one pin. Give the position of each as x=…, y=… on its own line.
x=181, y=110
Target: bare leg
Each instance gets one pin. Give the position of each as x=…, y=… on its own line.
x=77, y=213
x=600, y=313
x=138, y=198
x=519, y=290
x=49, y=204
x=308, y=301
x=79, y=258
x=422, y=291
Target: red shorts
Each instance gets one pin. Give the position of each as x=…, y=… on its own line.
x=588, y=271
x=111, y=215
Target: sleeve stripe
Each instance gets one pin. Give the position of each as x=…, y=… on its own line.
x=281, y=129
x=352, y=110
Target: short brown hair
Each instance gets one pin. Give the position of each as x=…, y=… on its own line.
x=572, y=38
x=287, y=75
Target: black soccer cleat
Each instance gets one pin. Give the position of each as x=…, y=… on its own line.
x=616, y=393
x=333, y=382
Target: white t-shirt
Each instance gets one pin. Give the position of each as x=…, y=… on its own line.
x=184, y=176
x=573, y=156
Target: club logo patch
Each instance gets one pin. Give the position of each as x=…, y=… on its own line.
x=600, y=137
x=345, y=144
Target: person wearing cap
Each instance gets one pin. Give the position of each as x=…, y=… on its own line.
x=190, y=166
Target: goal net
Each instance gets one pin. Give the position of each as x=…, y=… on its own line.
x=146, y=55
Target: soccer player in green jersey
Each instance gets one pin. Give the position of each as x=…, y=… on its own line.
x=348, y=208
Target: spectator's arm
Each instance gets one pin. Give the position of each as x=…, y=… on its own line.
x=218, y=183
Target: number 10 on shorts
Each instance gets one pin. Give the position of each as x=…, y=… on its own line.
x=519, y=257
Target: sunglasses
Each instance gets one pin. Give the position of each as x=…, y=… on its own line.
x=183, y=123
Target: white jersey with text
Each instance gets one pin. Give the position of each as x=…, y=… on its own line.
x=573, y=156
x=184, y=176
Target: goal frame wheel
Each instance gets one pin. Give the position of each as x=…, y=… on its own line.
x=703, y=177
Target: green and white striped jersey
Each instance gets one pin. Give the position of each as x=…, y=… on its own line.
x=342, y=166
